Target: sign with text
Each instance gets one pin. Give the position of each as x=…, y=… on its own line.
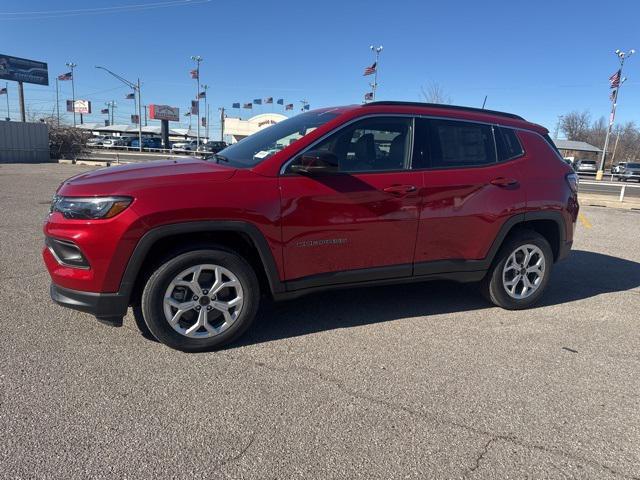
x=22, y=70
x=164, y=112
x=81, y=106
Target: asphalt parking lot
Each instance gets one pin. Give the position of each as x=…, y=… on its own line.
x=419, y=381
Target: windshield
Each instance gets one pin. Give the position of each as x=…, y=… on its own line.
x=261, y=145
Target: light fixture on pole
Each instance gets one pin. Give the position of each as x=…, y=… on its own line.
x=72, y=65
x=137, y=94
x=197, y=59
x=616, y=80
x=374, y=85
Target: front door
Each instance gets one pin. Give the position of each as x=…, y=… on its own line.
x=360, y=222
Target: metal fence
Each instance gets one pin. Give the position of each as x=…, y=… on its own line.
x=24, y=142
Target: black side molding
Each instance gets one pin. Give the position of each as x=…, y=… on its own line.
x=108, y=308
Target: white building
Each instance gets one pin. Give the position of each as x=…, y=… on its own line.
x=238, y=129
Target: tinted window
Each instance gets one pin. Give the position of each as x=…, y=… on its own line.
x=374, y=144
x=461, y=144
x=421, y=144
x=508, y=144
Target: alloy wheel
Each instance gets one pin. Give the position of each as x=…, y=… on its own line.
x=523, y=271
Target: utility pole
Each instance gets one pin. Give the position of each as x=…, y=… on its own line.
x=221, y=124
x=616, y=83
x=145, y=115
x=197, y=59
x=136, y=95
x=374, y=85
x=72, y=66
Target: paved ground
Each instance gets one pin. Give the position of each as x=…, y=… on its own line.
x=419, y=381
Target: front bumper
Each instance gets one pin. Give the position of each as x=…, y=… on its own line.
x=109, y=308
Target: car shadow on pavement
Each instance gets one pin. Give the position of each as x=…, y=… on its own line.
x=582, y=275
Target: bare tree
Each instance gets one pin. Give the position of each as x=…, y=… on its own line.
x=576, y=125
x=434, y=93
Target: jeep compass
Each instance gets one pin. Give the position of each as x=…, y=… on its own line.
x=381, y=193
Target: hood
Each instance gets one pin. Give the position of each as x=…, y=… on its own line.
x=125, y=179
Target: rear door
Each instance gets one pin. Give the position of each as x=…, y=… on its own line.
x=472, y=185
x=360, y=221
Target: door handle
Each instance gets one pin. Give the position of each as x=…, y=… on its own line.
x=505, y=182
x=400, y=190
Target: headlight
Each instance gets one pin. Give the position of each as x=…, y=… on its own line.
x=89, y=208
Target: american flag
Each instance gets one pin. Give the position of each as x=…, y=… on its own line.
x=202, y=95
x=195, y=107
x=280, y=101
x=612, y=96
x=130, y=96
x=268, y=100
x=65, y=76
x=368, y=96
x=235, y=105
x=104, y=110
x=289, y=106
x=370, y=70
x=194, y=74
x=257, y=101
x=614, y=79
x=247, y=105
x=3, y=91
x=135, y=119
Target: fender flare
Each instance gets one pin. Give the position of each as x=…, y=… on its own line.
x=145, y=243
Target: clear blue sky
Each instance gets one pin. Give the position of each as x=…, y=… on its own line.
x=538, y=59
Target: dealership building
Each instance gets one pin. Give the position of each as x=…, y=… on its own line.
x=237, y=129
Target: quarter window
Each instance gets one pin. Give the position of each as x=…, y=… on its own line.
x=509, y=146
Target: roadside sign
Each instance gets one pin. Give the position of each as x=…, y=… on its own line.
x=22, y=70
x=81, y=106
x=164, y=112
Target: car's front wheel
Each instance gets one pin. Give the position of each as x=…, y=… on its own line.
x=520, y=272
x=201, y=300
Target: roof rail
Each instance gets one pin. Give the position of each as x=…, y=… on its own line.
x=444, y=107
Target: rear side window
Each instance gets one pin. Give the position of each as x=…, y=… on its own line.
x=461, y=144
x=509, y=146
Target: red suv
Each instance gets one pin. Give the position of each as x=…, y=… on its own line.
x=386, y=192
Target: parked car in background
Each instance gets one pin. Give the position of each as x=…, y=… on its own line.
x=585, y=166
x=381, y=193
x=113, y=142
x=213, y=146
x=630, y=171
x=147, y=142
x=96, y=141
x=618, y=168
x=187, y=146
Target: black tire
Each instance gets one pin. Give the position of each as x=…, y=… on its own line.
x=154, y=290
x=493, y=287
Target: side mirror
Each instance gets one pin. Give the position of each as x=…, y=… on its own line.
x=315, y=162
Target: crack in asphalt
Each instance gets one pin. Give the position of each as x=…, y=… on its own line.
x=238, y=456
x=476, y=431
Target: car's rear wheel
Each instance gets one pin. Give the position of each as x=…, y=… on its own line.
x=201, y=300
x=520, y=272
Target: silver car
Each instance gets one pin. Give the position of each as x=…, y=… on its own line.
x=586, y=166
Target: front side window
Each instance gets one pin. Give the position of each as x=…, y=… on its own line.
x=257, y=147
x=370, y=145
x=461, y=144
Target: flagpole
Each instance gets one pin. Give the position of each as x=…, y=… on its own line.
x=57, y=102
x=206, y=110
x=72, y=65
x=197, y=59
x=622, y=56
x=374, y=85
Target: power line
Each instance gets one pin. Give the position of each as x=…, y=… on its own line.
x=42, y=14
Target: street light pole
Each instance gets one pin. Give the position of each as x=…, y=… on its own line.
x=622, y=56
x=374, y=85
x=197, y=59
x=206, y=111
x=136, y=93
x=72, y=66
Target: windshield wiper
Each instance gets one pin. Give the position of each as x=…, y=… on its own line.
x=220, y=158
